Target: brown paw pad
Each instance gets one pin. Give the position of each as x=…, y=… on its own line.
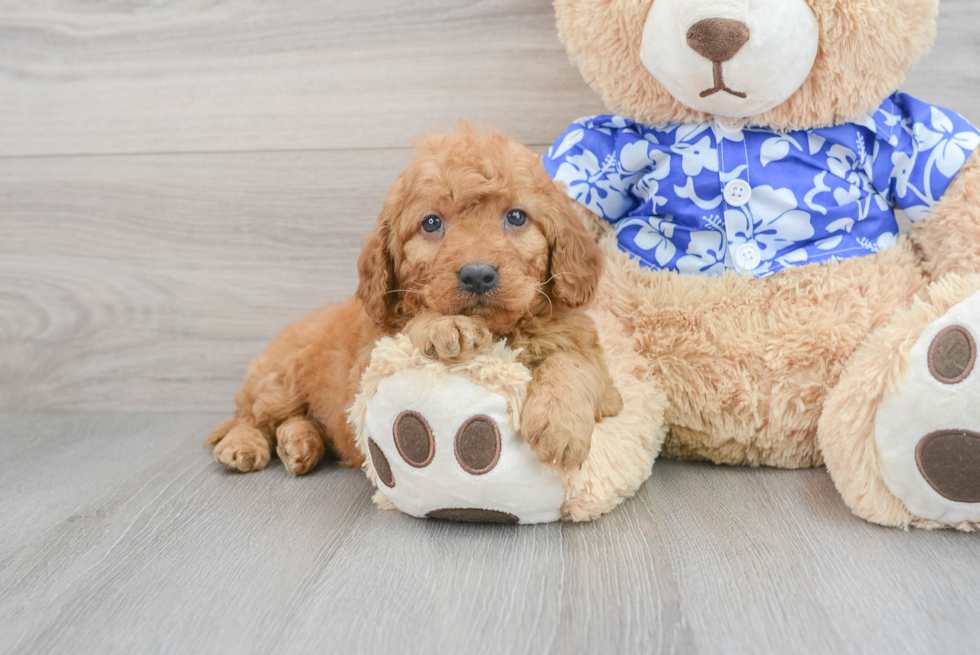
x=952, y=355
x=472, y=516
x=381, y=465
x=414, y=440
x=477, y=445
x=949, y=460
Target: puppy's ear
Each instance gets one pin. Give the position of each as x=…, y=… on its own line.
x=576, y=261
x=376, y=271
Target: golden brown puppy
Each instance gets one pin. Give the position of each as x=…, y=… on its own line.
x=474, y=243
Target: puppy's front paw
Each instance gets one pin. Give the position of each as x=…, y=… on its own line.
x=559, y=430
x=450, y=339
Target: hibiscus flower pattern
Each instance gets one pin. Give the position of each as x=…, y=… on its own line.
x=771, y=221
x=705, y=254
x=816, y=195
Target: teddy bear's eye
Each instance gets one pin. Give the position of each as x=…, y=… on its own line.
x=431, y=224
x=516, y=217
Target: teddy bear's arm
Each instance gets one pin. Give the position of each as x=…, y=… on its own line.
x=949, y=239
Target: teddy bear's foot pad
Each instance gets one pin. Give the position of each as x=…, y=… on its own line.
x=949, y=460
x=445, y=448
x=928, y=430
x=472, y=516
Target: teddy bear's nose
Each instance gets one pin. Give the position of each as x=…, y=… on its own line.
x=718, y=39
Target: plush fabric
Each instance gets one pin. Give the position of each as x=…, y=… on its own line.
x=866, y=49
x=795, y=352
x=864, y=431
x=925, y=405
x=518, y=484
x=493, y=386
x=747, y=363
x=731, y=61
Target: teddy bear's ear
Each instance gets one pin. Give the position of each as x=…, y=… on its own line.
x=603, y=40
x=576, y=261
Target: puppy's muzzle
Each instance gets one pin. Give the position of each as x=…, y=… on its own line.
x=478, y=279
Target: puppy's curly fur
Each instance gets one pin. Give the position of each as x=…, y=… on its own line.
x=297, y=393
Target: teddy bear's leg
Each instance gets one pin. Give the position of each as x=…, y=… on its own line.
x=900, y=433
x=443, y=447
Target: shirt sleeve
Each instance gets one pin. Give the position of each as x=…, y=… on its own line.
x=918, y=150
x=587, y=159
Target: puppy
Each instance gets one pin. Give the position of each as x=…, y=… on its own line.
x=474, y=243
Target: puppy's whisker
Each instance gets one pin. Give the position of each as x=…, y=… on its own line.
x=551, y=307
x=554, y=275
x=388, y=293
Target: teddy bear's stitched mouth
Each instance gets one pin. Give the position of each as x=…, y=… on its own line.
x=720, y=84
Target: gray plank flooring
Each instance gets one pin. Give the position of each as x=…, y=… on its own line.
x=180, y=179
x=151, y=547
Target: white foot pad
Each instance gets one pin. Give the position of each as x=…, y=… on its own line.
x=928, y=432
x=442, y=448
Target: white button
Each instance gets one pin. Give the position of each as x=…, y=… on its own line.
x=748, y=257
x=730, y=125
x=738, y=193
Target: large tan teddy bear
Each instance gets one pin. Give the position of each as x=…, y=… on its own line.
x=758, y=306
x=746, y=187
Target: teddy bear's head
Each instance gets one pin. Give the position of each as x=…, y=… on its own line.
x=784, y=64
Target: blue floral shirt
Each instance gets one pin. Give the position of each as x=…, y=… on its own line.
x=702, y=198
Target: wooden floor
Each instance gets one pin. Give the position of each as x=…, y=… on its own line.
x=180, y=179
x=122, y=536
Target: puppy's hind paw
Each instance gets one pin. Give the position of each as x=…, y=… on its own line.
x=219, y=432
x=243, y=449
x=299, y=445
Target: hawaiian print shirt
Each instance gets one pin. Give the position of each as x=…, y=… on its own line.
x=705, y=198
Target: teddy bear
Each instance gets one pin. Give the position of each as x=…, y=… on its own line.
x=748, y=185
x=760, y=305
x=443, y=441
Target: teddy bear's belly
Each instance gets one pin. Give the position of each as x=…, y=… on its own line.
x=747, y=362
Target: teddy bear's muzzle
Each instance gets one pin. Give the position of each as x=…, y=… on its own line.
x=730, y=58
x=718, y=40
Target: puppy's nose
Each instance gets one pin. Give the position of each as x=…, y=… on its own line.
x=718, y=39
x=478, y=278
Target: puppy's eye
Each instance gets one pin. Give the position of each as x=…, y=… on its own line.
x=432, y=224
x=516, y=217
